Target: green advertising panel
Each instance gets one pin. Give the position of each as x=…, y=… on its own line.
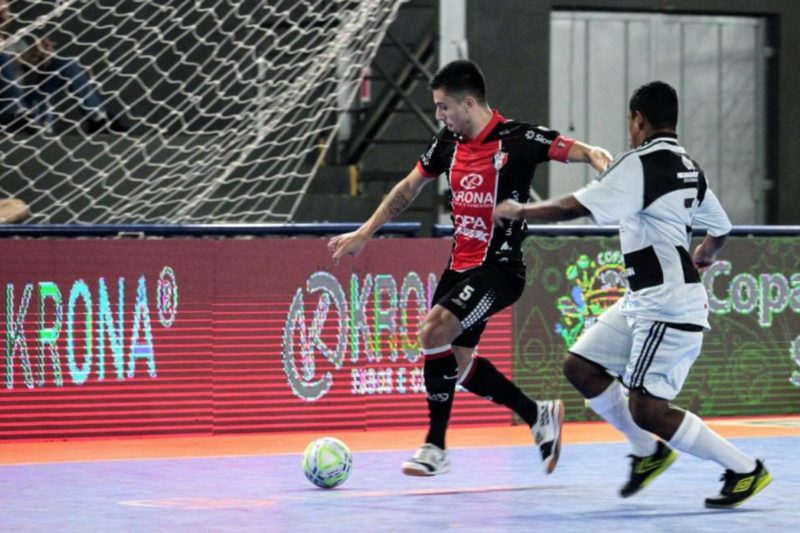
x=750, y=363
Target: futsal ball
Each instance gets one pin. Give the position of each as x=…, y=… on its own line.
x=327, y=462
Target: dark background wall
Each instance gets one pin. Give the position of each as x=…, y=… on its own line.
x=510, y=39
x=513, y=36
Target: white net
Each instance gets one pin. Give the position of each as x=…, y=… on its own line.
x=186, y=111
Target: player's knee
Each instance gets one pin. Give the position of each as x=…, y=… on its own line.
x=589, y=379
x=440, y=328
x=429, y=333
x=440, y=378
x=574, y=370
x=647, y=412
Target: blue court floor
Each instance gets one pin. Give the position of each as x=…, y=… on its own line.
x=488, y=489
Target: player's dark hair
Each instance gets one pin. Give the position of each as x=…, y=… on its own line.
x=657, y=101
x=460, y=78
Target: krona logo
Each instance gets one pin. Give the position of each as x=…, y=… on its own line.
x=471, y=181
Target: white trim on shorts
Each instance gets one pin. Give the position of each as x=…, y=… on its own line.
x=645, y=354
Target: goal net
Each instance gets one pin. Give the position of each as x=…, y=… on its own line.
x=186, y=111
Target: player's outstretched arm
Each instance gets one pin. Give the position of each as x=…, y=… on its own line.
x=596, y=156
x=565, y=207
x=398, y=199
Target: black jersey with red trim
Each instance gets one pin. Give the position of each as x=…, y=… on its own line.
x=496, y=165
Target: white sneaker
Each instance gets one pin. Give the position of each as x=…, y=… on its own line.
x=429, y=460
x=547, y=432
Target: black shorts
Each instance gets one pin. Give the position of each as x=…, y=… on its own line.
x=476, y=294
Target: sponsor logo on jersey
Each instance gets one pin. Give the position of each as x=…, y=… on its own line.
x=471, y=181
x=471, y=227
x=426, y=157
x=473, y=198
x=531, y=135
x=692, y=175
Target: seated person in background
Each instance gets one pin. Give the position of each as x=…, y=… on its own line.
x=12, y=110
x=49, y=78
x=12, y=210
x=34, y=78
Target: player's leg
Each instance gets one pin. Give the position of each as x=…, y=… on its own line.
x=479, y=376
x=463, y=302
x=603, y=350
x=544, y=417
x=656, y=376
x=499, y=288
x=487, y=291
x=440, y=372
x=439, y=328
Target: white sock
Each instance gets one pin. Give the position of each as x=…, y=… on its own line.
x=696, y=438
x=612, y=405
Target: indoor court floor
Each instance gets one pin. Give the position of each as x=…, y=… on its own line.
x=255, y=483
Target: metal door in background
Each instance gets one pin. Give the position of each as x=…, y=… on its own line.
x=717, y=65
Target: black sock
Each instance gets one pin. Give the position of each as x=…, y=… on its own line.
x=485, y=380
x=440, y=372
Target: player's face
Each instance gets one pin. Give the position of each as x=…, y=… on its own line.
x=453, y=112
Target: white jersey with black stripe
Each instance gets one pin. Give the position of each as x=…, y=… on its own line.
x=656, y=193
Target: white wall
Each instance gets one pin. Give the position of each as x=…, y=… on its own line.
x=715, y=63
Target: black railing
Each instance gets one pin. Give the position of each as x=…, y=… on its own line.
x=564, y=230
x=404, y=229
x=400, y=229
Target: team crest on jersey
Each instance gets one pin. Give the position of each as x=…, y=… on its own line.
x=499, y=159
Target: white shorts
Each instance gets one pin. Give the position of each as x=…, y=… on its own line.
x=649, y=355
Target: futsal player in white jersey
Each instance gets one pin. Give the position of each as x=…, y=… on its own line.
x=651, y=337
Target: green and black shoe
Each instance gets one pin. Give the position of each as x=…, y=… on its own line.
x=738, y=488
x=646, y=469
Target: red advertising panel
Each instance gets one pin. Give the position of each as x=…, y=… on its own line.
x=145, y=337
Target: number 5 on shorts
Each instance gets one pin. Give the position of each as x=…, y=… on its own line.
x=466, y=293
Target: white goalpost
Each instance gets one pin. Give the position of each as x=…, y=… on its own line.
x=179, y=111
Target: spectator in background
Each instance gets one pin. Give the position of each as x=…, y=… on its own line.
x=34, y=78
x=12, y=111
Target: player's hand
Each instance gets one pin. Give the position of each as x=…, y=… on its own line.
x=701, y=258
x=507, y=210
x=599, y=158
x=347, y=244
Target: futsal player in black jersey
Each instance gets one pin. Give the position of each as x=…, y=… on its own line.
x=486, y=158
